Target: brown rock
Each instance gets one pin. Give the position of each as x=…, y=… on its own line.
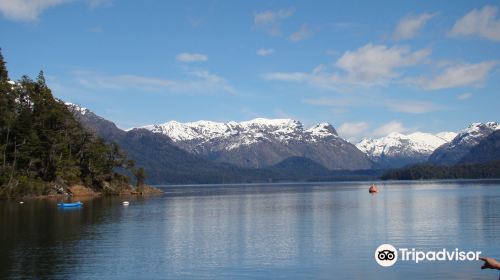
x=79, y=190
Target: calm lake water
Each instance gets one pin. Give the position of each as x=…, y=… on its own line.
x=299, y=231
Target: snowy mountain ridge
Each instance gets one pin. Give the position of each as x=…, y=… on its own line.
x=452, y=152
x=247, y=132
x=474, y=133
x=264, y=142
x=76, y=108
x=397, y=149
x=397, y=143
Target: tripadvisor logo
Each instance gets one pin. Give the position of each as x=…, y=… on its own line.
x=387, y=255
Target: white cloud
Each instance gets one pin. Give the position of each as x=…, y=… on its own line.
x=392, y=126
x=195, y=22
x=269, y=17
x=483, y=23
x=282, y=114
x=199, y=81
x=402, y=106
x=191, y=57
x=464, y=96
x=411, y=106
x=458, y=76
x=265, y=52
x=369, y=65
x=97, y=3
x=270, y=20
x=26, y=10
x=352, y=129
x=409, y=26
x=332, y=52
x=317, y=78
x=332, y=102
x=301, y=34
x=287, y=76
x=206, y=75
x=30, y=10
x=378, y=63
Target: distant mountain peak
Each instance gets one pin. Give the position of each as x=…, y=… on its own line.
x=460, y=145
x=272, y=122
x=323, y=130
x=261, y=128
x=397, y=149
x=76, y=108
x=474, y=133
x=478, y=127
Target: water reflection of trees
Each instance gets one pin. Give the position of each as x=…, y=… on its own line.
x=38, y=240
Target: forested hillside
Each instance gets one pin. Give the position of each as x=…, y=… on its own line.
x=463, y=171
x=43, y=149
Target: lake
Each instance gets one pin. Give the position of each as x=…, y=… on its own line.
x=277, y=231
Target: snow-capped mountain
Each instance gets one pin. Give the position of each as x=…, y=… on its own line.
x=267, y=142
x=487, y=150
x=76, y=108
x=397, y=149
x=165, y=163
x=452, y=152
x=263, y=142
x=243, y=133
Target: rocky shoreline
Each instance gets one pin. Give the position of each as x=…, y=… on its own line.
x=82, y=192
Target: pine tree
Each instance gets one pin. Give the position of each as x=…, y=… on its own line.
x=6, y=118
x=140, y=176
x=4, y=75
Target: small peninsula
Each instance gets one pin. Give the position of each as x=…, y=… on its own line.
x=44, y=151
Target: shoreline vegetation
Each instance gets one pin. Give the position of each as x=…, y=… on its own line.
x=488, y=170
x=81, y=192
x=45, y=151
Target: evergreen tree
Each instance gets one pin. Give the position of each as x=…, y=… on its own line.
x=42, y=144
x=140, y=176
x=4, y=75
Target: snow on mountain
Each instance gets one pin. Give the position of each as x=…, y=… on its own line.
x=243, y=133
x=190, y=131
x=76, y=108
x=322, y=130
x=397, y=149
x=452, y=152
x=397, y=143
x=263, y=142
x=446, y=135
x=474, y=133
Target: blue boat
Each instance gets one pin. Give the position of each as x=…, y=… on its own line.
x=72, y=204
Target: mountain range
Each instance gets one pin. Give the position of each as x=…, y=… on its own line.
x=262, y=150
x=262, y=143
x=166, y=163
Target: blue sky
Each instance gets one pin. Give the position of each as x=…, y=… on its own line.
x=368, y=68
